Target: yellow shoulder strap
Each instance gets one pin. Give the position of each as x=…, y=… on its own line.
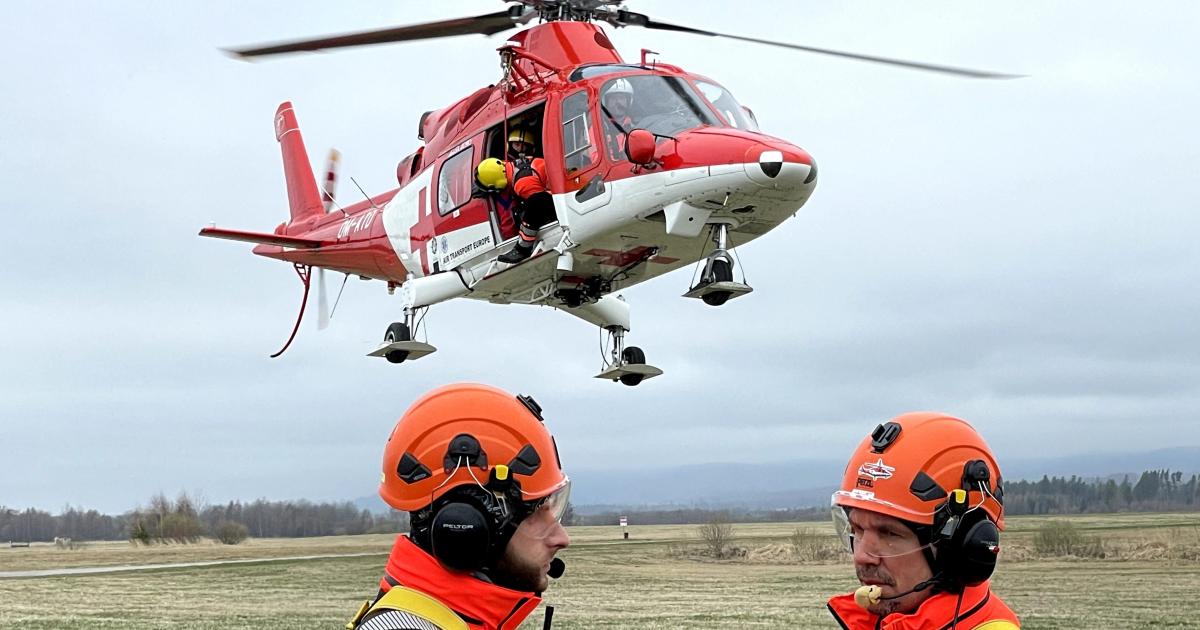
x=421, y=605
x=997, y=624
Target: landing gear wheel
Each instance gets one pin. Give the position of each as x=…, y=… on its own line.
x=632, y=354
x=626, y=364
x=397, y=332
x=722, y=271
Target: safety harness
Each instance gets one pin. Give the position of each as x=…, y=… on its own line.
x=405, y=609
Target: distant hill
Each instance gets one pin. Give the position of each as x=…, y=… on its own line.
x=801, y=483
x=1185, y=459
x=805, y=483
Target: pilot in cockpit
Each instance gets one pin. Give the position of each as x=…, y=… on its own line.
x=616, y=101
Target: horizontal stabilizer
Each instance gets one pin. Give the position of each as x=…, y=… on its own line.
x=259, y=237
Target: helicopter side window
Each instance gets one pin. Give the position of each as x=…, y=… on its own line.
x=577, y=137
x=722, y=101
x=454, y=181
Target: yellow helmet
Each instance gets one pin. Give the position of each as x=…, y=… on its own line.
x=491, y=174
x=521, y=135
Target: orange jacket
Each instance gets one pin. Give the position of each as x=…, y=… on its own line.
x=979, y=606
x=482, y=605
x=525, y=185
x=615, y=138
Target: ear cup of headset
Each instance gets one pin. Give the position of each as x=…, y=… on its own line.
x=969, y=558
x=460, y=536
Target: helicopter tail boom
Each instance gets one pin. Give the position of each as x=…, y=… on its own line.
x=303, y=195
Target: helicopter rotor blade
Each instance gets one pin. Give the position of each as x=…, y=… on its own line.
x=488, y=24
x=629, y=18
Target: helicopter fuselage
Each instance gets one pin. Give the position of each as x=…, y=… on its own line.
x=618, y=222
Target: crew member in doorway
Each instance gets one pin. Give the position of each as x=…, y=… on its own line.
x=535, y=205
x=479, y=475
x=921, y=508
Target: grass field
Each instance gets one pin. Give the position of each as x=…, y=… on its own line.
x=658, y=579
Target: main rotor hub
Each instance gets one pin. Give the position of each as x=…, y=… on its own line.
x=574, y=10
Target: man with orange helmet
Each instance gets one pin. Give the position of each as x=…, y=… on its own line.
x=921, y=508
x=480, y=477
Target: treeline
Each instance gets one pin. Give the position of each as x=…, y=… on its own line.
x=37, y=526
x=1154, y=491
x=185, y=520
x=288, y=519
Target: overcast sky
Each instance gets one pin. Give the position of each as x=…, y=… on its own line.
x=1020, y=253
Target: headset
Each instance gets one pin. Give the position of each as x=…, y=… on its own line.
x=965, y=540
x=468, y=528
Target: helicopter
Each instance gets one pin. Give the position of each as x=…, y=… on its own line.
x=680, y=174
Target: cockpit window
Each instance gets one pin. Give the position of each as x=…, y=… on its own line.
x=729, y=108
x=659, y=104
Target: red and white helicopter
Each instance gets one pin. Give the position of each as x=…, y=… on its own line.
x=636, y=196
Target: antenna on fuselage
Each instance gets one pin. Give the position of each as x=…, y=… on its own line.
x=364, y=193
x=339, y=207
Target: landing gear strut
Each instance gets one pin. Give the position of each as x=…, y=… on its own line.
x=716, y=285
x=625, y=363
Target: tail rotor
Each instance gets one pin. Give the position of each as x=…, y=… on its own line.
x=329, y=188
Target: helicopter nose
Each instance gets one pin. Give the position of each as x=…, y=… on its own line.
x=780, y=168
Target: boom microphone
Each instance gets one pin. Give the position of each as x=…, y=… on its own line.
x=556, y=568
x=871, y=594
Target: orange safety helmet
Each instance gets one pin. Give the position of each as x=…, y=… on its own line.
x=909, y=467
x=464, y=434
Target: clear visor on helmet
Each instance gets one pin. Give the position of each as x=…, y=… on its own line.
x=890, y=540
x=547, y=513
x=841, y=526
x=557, y=502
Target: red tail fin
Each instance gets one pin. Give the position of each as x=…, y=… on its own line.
x=303, y=195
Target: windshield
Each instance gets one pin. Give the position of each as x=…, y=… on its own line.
x=730, y=109
x=658, y=104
